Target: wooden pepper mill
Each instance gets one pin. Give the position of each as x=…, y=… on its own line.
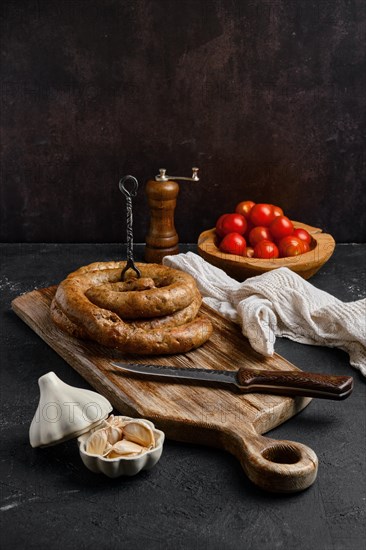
x=162, y=238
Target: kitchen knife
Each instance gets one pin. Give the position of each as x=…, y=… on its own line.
x=244, y=380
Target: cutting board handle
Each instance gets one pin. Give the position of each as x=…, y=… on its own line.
x=276, y=465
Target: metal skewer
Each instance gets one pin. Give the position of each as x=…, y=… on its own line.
x=129, y=194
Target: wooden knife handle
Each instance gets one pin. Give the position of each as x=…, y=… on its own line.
x=295, y=383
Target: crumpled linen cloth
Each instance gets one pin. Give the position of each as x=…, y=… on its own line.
x=280, y=303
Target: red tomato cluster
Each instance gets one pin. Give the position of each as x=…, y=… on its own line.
x=260, y=231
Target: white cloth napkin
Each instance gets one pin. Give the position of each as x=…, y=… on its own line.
x=280, y=303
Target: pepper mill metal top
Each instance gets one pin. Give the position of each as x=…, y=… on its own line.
x=163, y=177
x=162, y=238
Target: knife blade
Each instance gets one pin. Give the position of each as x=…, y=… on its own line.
x=245, y=380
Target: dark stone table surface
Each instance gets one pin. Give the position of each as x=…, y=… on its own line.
x=196, y=497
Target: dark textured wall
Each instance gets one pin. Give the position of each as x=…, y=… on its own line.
x=267, y=97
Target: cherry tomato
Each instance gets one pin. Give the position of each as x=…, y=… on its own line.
x=306, y=246
x=291, y=246
x=303, y=235
x=231, y=223
x=281, y=227
x=261, y=214
x=266, y=250
x=277, y=211
x=218, y=225
x=259, y=233
x=233, y=243
x=249, y=252
x=244, y=208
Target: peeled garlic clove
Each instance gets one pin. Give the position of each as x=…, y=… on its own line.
x=96, y=443
x=139, y=432
x=114, y=434
x=125, y=447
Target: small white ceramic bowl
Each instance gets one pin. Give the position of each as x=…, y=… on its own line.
x=123, y=466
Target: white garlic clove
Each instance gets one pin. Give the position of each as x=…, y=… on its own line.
x=96, y=443
x=107, y=449
x=103, y=426
x=125, y=447
x=114, y=434
x=113, y=454
x=110, y=419
x=116, y=421
x=139, y=432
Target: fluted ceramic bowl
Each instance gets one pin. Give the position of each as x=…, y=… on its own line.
x=123, y=466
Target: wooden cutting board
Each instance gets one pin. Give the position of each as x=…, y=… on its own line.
x=195, y=414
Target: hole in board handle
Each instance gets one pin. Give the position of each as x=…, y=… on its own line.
x=282, y=454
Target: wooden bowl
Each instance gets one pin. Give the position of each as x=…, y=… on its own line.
x=240, y=268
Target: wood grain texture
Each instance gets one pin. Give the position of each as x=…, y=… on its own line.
x=162, y=238
x=194, y=414
x=240, y=268
x=294, y=383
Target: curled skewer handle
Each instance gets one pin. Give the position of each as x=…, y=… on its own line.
x=124, y=189
x=129, y=193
